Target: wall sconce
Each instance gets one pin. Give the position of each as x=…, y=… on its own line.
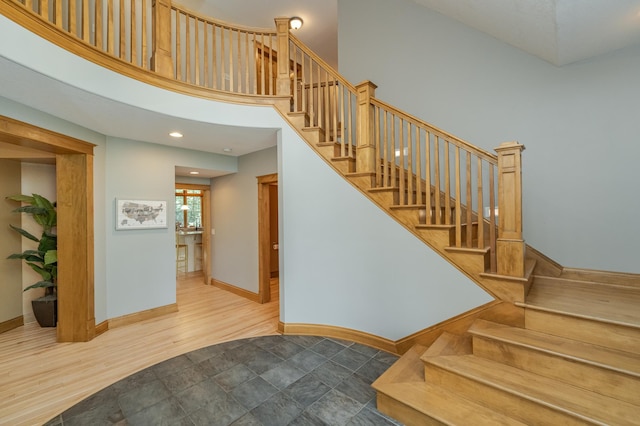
x=295, y=23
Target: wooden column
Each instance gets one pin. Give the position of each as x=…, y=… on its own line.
x=283, y=80
x=365, y=148
x=74, y=188
x=510, y=247
x=161, y=61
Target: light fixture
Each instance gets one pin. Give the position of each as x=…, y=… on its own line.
x=184, y=207
x=194, y=173
x=295, y=23
x=227, y=149
x=175, y=134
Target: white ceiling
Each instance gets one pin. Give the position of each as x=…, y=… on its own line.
x=559, y=31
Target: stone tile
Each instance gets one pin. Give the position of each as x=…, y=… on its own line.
x=307, y=360
x=305, y=341
x=286, y=349
x=243, y=353
x=106, y=412
x=335, y=408
x=331, y=373
x=167, y=412
x=307, y=390
x=327, y=348
x=233, y=377
x=350, y=359
x=345, y=343
x=365, y=350
x=358, y=389
x=307, y=419
x=247, y=420
x=204, y=354
x=135, y=380
x=198, y=396
x=367, y=417
x=216, y=365
x=268, y=341
x=263, y=361
x=142, y=397
x=219, y=412
x=277, y=410
x=184, y=379
x=253, y=393
x=172, y=366
x=105, y=396
x=282, y=375
x=386, y=358
x=372, y=370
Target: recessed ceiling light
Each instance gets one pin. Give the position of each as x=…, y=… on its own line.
x=175, y=134
x=194, y=173
x=227, y=149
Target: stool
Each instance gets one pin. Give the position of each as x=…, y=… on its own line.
x=182, y=256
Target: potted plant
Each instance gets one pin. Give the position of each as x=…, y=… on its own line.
x=43, y=260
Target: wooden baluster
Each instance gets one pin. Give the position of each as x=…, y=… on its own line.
x=247, y=88
x=214, y=56
x=187, y=49
x=342, y=101
x=365, y=157
x=86, y=23
x=392, y=145
x=239, y=64
x=257, y=62
x=458, y=216
x=410, y=181
x=58, y=14
x=385, y=150
x=376, y=132
x=400, y=156
x=352, y=125
x=437, y=218
x=469, y=202
x=111, y=43
x=143, y=56
x=480, y=204
x=303, y=84
x=133, y=36
x=28, y=4
x=427, y=176
x=122, y=32
x=447, y=183
x=231, y=64
x=223, y=65
x=418, y=167
x=205, y=52
x=334, y=113
x=98, y=20
x=196, y=46
x=161, y=60
x=178, y=47
x=312, y=118
x=321, y=99
x=72, y=18
x=271, y=72
x=44, y=9
x=510, y=247
x=492, y=217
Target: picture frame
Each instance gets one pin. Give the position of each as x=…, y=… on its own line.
x=140, y=214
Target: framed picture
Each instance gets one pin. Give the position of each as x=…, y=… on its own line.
x=140, y=214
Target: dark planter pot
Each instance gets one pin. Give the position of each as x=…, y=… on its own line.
x=46, y=310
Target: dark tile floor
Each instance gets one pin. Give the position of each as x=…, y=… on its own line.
x=272, y=380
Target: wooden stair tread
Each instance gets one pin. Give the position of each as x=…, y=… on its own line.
x=404, y=382
x=554, y=394
x=612, y=359
x=445, y=406
x=617, y=304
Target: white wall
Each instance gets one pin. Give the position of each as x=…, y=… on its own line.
x=140, y=264
x=579, y=123
x=234, y=211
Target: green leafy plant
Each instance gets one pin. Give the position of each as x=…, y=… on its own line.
x=43, y=260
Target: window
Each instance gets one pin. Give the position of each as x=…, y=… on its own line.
x=188, y=208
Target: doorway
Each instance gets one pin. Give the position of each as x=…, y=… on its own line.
x=268, y=243
x=193, y=229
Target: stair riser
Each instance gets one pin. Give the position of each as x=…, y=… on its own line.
x=474, y=263
x=409, y=217
x=598, y=333
x=327, y=152
x=590, y=377
x=498, y=399
x=345, y=165
x=313, y=135
x=437, y=237
x=386, y=198
x=363, y=182
x=404, y=413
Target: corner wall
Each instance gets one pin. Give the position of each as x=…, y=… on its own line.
x=578, y=122
x=10, y=242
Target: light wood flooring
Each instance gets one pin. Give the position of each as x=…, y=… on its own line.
x=40, y=378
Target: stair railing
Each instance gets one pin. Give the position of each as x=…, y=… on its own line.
x=453, y=182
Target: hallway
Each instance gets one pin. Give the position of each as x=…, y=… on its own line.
x=41, y=378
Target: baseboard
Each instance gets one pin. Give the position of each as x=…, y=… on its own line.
x=11, y=324
x=280, y=327
x=505, y=312
x=141, y=316
x=340, y=333
x=102, y=327
x=254, y=297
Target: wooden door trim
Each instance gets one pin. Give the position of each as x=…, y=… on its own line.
x=264, y=237
x=206, y=226
x=74, y=194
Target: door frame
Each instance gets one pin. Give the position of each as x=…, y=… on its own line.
x=264, y=237
x=206, y=226
x=74, y=196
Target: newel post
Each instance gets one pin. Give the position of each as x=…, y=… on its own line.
x=366, y=158
x=161, y=61
x=283, y=80
x=510, y=247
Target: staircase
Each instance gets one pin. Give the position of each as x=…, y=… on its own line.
x=571, y=355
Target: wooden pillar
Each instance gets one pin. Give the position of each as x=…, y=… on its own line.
x=161, y=61
x=510, y=247
x=74, y=188
x=283, y=80
x=365, y=148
